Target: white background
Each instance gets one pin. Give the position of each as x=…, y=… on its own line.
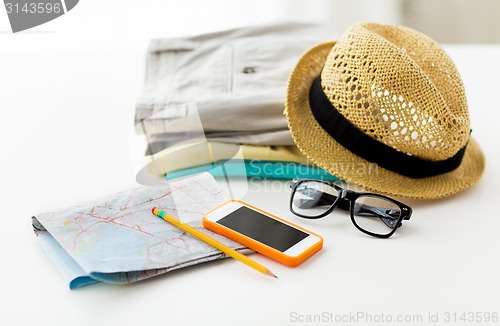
x=68, y=90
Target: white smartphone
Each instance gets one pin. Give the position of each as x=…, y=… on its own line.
x=263, y=232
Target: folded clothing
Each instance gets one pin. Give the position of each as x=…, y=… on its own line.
x=224, y=159
x=256, y=168
x=237, y=78
x=193, y=154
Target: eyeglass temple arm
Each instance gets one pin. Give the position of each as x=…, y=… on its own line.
x=388, y=216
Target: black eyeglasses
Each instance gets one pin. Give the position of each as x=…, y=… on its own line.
x=373, y=214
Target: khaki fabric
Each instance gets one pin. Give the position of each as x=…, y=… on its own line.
x=237, y=78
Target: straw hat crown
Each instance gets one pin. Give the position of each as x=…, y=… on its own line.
x=399, y=87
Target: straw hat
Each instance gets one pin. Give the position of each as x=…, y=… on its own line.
x=384, y=108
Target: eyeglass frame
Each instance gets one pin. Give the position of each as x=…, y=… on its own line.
x=349, y=197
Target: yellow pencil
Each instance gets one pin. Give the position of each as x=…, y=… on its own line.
x=211, y=241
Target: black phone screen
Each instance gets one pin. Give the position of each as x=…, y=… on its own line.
x=262, y=228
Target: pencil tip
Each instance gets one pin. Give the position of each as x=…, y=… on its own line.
x=268, y=272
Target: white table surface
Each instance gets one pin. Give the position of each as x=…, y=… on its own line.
x=67, y=116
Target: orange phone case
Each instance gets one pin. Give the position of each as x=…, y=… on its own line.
x=259, y=246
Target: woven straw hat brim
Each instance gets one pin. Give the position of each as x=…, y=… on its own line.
x=325, y=152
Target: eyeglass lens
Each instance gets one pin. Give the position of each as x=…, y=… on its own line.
x=376, y=214
x=312, y=198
